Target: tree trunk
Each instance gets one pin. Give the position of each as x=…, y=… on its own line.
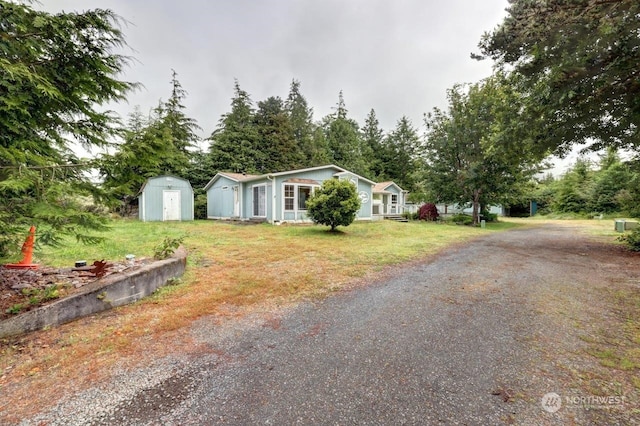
x=476, y=206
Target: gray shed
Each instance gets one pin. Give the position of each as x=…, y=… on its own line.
x=165, y=198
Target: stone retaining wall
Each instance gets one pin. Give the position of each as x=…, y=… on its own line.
x=114, y=290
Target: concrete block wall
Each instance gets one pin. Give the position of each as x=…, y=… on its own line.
x=109, y=292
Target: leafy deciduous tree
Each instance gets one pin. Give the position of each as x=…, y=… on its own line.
x=478, y=151
x=580, y=61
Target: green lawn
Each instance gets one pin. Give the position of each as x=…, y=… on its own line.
x=388, y=241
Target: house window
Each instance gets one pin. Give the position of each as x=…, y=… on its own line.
x=304, y=192
x=394, y=198
x=296, y=196
x=289, y=197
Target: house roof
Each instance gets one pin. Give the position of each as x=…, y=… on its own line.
x=240, y=177
x=297, y=180
x=236, y=177
x=381, y=187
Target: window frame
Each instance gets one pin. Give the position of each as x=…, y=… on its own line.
x=295, y=198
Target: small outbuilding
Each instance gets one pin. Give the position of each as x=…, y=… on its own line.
x=165, y=198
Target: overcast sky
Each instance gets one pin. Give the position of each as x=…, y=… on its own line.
x=396, y=56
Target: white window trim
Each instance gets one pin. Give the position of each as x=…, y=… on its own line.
x=296, y=187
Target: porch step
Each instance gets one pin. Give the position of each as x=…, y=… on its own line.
x=396, y=218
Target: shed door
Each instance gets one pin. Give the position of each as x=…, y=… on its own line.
x=171, y=205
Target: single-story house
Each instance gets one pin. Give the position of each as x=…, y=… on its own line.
x=277, y=197
x=388, y=199
x=164, y=198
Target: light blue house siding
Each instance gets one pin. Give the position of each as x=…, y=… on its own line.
x=221, y=196
x=278, y=197
x=165, y=198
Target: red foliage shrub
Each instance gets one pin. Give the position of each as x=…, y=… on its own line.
x=428, y=211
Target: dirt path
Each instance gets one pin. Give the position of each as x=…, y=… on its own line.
x=477, y=335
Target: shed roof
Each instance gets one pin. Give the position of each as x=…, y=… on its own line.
x=159, y=177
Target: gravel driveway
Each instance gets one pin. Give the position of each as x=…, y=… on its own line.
x=474, y=336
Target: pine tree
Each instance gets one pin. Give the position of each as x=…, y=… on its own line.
x=402, y=148
x=276, y=143
x=184, y=130
x=158, y=144
x=58, y=73
x=611, y=181
x=301, y=118
x=373, y=139
x=234, y=144
x=344, y=140
x=574, y=189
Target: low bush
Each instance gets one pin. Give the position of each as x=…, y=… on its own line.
x=410, y=216
x=461, y=219
x=490, y=217
x=632, y=240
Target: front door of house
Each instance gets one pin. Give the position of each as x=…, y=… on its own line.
x=236, y=202
x=393, y=208
x=171, y=205
x=259, y=201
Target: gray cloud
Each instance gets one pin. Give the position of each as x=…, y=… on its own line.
x=398, y=57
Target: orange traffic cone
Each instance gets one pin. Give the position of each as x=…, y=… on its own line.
x=27, y=252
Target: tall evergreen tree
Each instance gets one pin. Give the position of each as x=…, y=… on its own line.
x=161, y=143
x=276, y=142
x=58, y=71
x=402, y=149
x=301, y=118
x=320, y=152
x=609, y=184
x=344, y=140
x=574, y=189
x=234, y=144
x=184, y=130
x=373, y=139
